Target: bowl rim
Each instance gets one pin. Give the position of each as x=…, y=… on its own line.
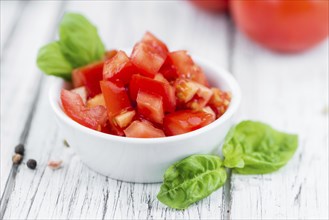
x=224, y=74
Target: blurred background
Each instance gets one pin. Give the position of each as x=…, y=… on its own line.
x=277, y=50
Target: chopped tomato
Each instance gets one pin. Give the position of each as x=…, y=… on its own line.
x=209, y=110
x=168, y=70
x=143, y=129
x=74, y=107
x=119, y=67
x=155, y=87
x=160, y=77
x=82, y=91
x=114, y=130
x=156, y=43
x=186, y=68
x=109, y=54
x=96, y=100
x=219, y=102
x=150, y=106
x=201, y=98
x=181, y=122
x=124, y=118
x=116, y=97
x=89, y=76
x=147, y=59
x=185, y=90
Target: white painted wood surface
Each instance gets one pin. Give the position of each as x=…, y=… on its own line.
x=288, y=91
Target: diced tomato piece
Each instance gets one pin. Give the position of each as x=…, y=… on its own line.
x=201, y=98
x=220, y=101
x=160, y=77
x=89, y=76
x=119, y=67
x=74, y=107
x=168, y=70
x=143, y=129
x=96, y=100
x=109, y=54
x=148, y=85
x=124, y=118
x=209, y=110
x=114, y=130
x=150, y=106
x=82, y=91
x=116, y=97
x=185, y=90
x=186, y=68
x=181, y=122
x=147, y=59
x=156, y=43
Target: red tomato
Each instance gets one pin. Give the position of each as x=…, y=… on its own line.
x=186, y=68
x=150, y=106
x=219, y=102
x=288, y=26
x=125, y=118
x=184, y=121
x=152, y=86
x=211, y=5
x=110, y=53
x=119, y=67
x=143, y=129
x=116, y=97
x=156, y=43
x=147, y=59
x=168, y=70
x=89, y=76
x=74, y=107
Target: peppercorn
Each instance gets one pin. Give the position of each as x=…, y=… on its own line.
x=20, y=149
x=17, y=158
x=32, y=164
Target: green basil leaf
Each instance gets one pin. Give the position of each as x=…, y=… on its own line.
x=79, y=40
x=51, y=61
x=256, y=148
x=191, y=180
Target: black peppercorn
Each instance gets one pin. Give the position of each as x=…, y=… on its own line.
x=20, y=149
x=32, y=164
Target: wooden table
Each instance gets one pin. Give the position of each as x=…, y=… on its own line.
x=289, y=92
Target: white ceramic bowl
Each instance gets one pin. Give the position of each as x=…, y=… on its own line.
x=145, y=160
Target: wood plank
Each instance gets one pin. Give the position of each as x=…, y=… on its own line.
x=10, y=14
x=77, y=192
x=20, y=77
x=289, y=92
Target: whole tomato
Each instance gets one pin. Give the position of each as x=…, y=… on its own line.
x=211, y=5
x=287, y=26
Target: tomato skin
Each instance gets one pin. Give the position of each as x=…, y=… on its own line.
x=168, y=70
x=211, y=5
x=184, y=121
x=109, y=54
x=150, y=106
x=150, y=39
x=119, y=67
x=286, y=26
x=147, y=59
x=186, y=68
x=74, y=107
x=116, y=97
x=152, y=86
x=143, y=129
x=219, y=102
x=89, y=76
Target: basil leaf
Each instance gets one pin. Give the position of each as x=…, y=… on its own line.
x=51, y=61
x=191, y=180
x=79, y=40
x=256, y=148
